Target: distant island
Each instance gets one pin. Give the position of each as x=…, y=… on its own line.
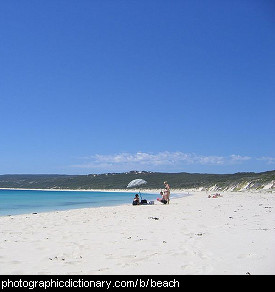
x=223, y=182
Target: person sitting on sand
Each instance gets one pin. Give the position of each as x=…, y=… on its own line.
x=136, y=200
x=163, y=198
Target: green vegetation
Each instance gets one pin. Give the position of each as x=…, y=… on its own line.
x=154, y=180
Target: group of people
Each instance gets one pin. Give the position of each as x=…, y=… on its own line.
x=165, y=195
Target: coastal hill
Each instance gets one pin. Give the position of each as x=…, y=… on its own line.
x=214, y=182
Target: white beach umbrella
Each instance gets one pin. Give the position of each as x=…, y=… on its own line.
x=136, y=183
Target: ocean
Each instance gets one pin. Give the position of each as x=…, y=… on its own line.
x=15, y=202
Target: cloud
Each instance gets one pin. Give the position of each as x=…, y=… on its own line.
x=152, y=161
x=267, y=159
x=238, y=158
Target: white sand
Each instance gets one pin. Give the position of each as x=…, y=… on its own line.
x=233, y=234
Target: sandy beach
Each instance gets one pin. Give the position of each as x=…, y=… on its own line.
x=230, y=234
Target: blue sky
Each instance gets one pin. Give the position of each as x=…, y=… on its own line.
x=96, y=86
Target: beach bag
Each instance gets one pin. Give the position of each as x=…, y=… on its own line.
x=143, y=202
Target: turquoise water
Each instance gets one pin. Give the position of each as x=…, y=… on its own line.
x=14, y=202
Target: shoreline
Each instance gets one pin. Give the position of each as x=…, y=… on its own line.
x=59, y=208
x=175, y=193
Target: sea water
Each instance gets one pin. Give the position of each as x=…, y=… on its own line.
x=14, y=202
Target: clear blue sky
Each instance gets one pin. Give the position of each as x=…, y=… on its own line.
x=96, y=86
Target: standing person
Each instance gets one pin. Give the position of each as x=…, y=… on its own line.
x=167, y=191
